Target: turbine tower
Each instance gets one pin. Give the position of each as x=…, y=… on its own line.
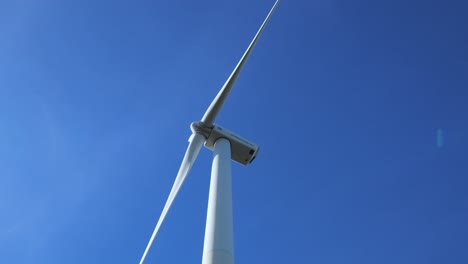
x=226, y=145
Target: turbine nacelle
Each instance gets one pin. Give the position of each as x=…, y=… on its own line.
x=243, y=151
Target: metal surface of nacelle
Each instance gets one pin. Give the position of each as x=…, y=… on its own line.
x=242, y=150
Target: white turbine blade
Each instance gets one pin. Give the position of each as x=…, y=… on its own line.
x=196, y=141
x=215, y=106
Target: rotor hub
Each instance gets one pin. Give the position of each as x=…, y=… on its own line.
x=200, y=128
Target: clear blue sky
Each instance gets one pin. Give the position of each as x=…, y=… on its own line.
x=345, y=99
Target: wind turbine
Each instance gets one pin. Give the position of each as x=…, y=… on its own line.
x=226, y=145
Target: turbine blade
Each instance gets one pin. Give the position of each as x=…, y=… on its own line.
x=217, y=104
x=196, y=141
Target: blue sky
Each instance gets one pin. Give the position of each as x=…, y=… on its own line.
x=345, y=99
